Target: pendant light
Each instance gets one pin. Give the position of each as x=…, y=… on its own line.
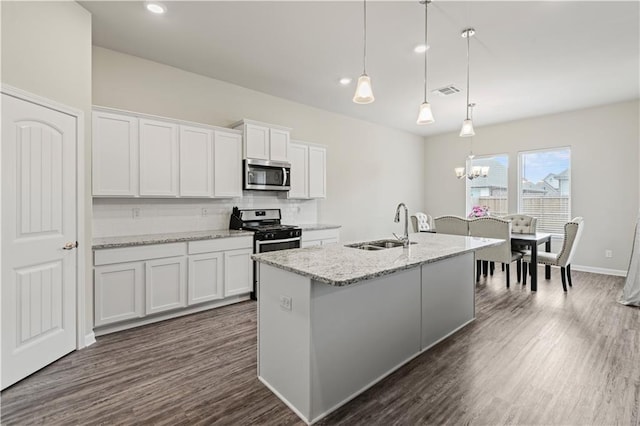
x=425, y=116
x=364, y=92
x=470, y=171
x=467, y=124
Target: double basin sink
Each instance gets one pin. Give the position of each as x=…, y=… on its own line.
x=377, y=245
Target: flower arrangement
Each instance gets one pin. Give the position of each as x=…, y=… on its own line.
x=478, y=211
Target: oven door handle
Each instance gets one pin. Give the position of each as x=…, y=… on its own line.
x=288, y=240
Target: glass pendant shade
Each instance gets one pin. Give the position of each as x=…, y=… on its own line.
x=425, y=116
x=467, y=128
x=460, y=172
x=364, y=92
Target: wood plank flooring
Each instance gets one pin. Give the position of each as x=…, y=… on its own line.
x=529, y=358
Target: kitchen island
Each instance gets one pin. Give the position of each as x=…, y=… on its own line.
x=334, y=320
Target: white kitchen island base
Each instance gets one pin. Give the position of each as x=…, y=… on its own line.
x=321, y=345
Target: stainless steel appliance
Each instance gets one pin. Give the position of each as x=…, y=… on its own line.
x=269, y=233
x=267, y=175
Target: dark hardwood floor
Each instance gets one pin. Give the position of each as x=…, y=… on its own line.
x=542, y=358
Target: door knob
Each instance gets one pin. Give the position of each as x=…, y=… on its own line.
x=70, y=245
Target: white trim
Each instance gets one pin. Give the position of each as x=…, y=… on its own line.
x=596, y=270
x=89, y=339
x=80, y=178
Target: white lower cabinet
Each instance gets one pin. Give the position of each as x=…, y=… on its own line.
x=119, y=292
x=139, y=283
x=319, y=237
x=238, y=272
x=165, y=284
x=205, y=277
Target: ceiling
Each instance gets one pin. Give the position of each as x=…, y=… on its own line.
x=527, y=58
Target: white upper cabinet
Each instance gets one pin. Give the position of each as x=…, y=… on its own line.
x=115, y=155
x=279, y=144
x=196, y=162
x=299, y=157
x=308, y=170
x=264, y=141
x=227, y=154
x=158, y=158
x=257, y=141
x=136, y=155
x=317, y=172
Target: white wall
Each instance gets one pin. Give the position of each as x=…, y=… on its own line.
x=46, y=50
x=604, y=145
x=370, y=168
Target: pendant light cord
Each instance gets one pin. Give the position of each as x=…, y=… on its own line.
x=468, y=41
x=426, y=46
x=364, y=36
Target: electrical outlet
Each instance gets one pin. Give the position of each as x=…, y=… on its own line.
x=205, y=211
x=135, y=213
x=608, y=253
x=285, y=303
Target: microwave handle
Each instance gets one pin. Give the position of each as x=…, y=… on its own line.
x=284, y=176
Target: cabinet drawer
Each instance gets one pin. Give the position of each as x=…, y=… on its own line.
x=220, y=244
x=131, y=254
x=321, y=234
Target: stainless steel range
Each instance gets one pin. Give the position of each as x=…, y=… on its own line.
x=269, y=233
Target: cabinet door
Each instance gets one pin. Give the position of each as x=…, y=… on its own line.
x=299, y=158
x=118, y=292
x=238, y=272
x=279, y=145
x=115, y=155
x=158, y=158
x=205, y=277
x=196, y=162
x=256, y=141
x=165, y=284
x=317, y=172
x=227, y=170
x=329, y=241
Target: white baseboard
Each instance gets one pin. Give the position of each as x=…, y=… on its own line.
x=604, y=271
x=89, y=339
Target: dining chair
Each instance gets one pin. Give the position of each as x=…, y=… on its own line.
x=455, y=225
x=421, y=222
x=493, y=227
x=521, y=224
x=572, y=234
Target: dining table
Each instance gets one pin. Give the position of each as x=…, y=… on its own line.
x=532, y=241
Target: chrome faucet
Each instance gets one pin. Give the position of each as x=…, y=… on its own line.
x=405, y=238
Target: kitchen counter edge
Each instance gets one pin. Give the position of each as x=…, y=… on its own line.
x=174, y=237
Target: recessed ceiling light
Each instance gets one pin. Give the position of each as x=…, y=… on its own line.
x=421, y=48
x=345, y=81
x=155, y=7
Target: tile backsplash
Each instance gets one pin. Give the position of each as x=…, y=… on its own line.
x=123, y=216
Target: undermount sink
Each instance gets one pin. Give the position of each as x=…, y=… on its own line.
x=377, y=245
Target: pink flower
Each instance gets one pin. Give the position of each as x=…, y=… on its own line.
x=478, y=211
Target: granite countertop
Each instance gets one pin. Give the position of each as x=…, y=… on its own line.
x=338, y=265
x=174, y=237
x=317, y=226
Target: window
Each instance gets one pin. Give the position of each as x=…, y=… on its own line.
x=545, y=187
x=490, y=191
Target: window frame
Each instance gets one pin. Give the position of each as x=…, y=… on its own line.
x=520, y=179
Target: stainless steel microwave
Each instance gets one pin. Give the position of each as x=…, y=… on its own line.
x=267, y=175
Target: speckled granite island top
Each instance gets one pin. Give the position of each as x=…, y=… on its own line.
x=338, y=265
x=175, y=237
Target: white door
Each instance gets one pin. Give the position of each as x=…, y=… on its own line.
x=317, y=172
x=158, y=158
x=227, y=169
x=165, y=284
x=38, y=220
x=238, y=272
x=279, y=145
x=196, y=162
